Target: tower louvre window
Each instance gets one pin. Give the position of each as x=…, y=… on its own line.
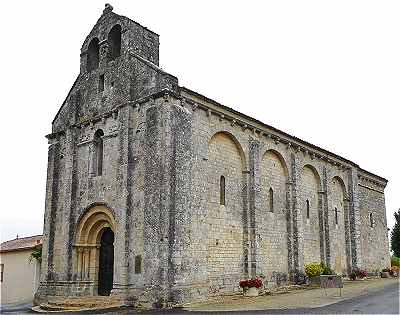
x=92, y=56
x=114, y=42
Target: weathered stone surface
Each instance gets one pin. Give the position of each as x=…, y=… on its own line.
x=164, y=150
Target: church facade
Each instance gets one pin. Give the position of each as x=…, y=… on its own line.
x=156, y=192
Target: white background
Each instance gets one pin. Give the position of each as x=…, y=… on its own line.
x=325, y=71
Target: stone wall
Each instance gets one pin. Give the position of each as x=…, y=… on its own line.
x=374, y=240
x=337, y=220
x=272, y=229
x=309, y=188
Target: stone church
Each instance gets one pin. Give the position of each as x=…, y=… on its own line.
x=156, y=190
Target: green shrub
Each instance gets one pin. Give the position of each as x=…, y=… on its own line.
x=36, y=254
x=395, y=261
x=326, y=270
x=313, y=269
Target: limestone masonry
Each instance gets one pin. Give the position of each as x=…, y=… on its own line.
x=157, y=194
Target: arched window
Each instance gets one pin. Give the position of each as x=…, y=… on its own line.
x=308, y=208
x=271, y=200
x=371, y=220
x=336, y=216
x=92, y=55
x=98, y=160
x=114, y=42
x=222, y=190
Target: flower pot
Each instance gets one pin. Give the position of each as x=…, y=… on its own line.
x=315, y=281
x=252, y=291
x=385, y=274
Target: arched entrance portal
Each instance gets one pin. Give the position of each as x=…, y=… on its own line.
x=106, y=262
x=94, y=245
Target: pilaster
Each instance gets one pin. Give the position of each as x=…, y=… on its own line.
x=50, y=210
x=298, y=241
x=355, y=218
x=121, y=240
x=254, y=206
x=325, y=227
x=69, y=204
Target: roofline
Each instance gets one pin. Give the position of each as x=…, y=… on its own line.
x=65, y=100
x=372, y=174
x=137, y=23
x=205, y=98
x=21, y=238
x=20, y=249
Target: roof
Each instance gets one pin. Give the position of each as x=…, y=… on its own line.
x=208, y=100
x=23, y=243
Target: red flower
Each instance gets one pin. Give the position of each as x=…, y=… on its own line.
x=250, y=283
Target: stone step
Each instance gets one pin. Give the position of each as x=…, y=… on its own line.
x=78, y=304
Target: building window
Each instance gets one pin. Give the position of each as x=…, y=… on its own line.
x=222, y=191
x=371, y=220
x=92, y=55
x=114, y=42
x=308, y=208
x=271, y=200
x=1, y=272
x=101, y=83
x=138, y=264
x=98, y=160
x=336, y=216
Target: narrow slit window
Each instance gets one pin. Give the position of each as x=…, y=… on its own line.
x=271, y=200
x=101, y=83
x=371, y=220
x=138, y=264
x=99, y=151
x=336, y=217
x=222, y=191
x=1, y=272
x=308, y=208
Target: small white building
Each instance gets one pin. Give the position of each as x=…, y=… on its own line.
x=20, y=275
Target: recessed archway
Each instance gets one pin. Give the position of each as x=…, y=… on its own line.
x=94, y=244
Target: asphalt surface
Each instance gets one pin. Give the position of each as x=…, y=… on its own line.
x=385, y=301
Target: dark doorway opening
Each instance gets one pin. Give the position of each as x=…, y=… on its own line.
x=106, y=262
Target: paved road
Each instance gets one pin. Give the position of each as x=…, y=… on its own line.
x=385, y=301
